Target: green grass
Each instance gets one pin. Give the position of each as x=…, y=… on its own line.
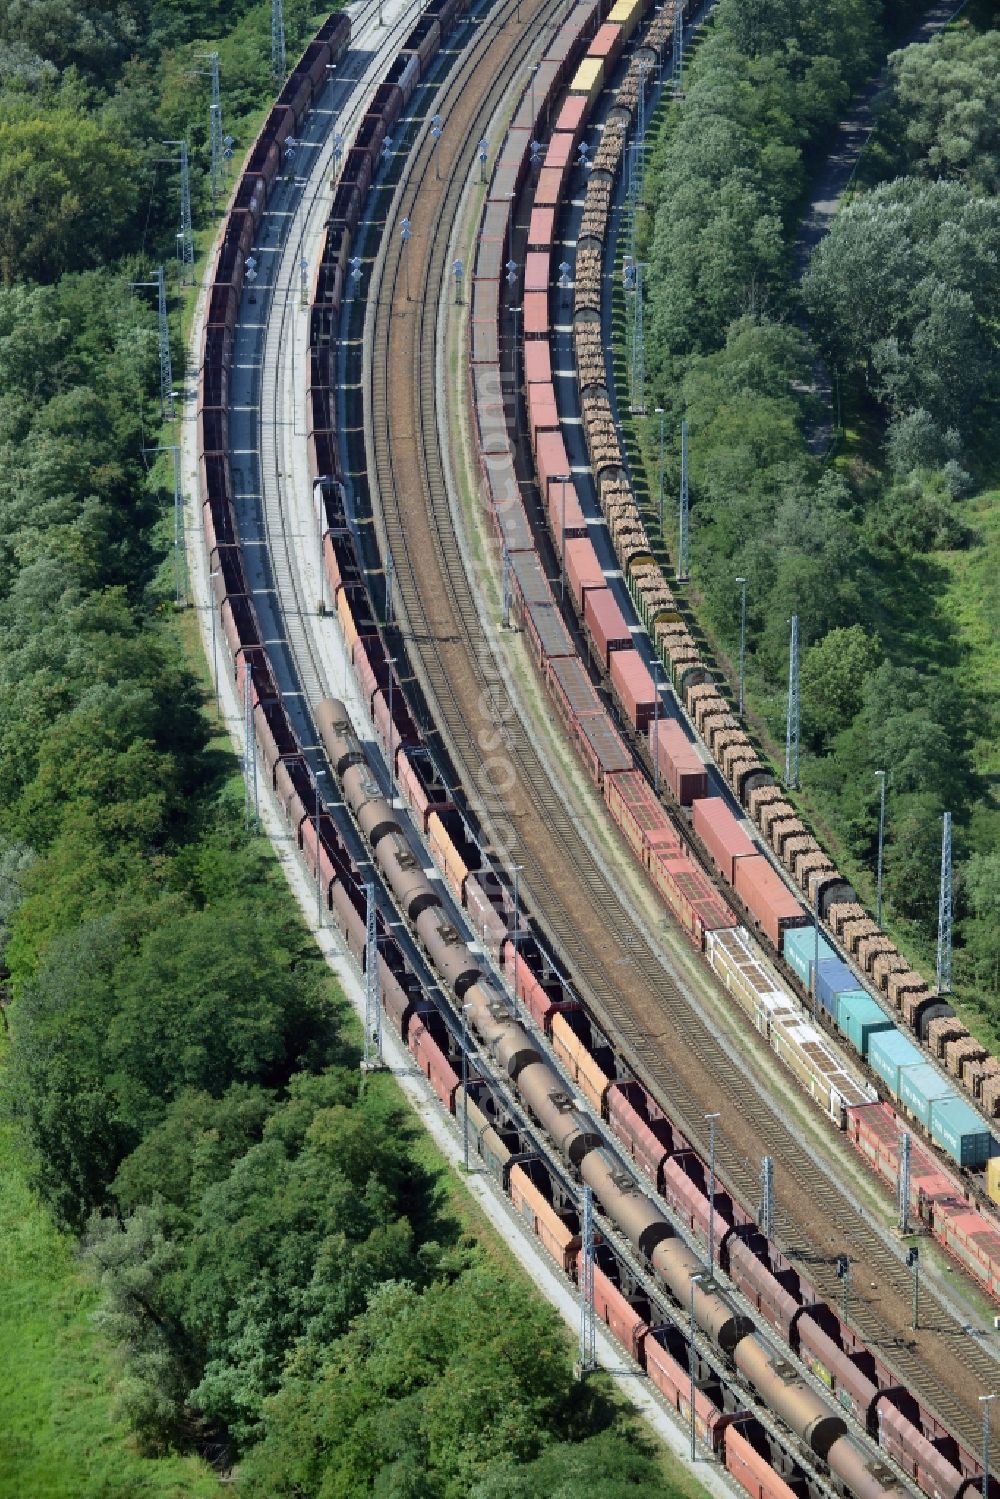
x=59, y=1435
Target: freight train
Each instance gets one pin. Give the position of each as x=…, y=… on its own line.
x=662, y=844
x=811, y=869
x=429, y=1038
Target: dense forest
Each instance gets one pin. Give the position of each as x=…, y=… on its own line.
x=278, y=1258
x=885, y=545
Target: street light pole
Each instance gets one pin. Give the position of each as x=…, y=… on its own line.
x=881, y=847
x=465, y=1084
x=743, y=640
x=696, y=1280
x=661, y=414
x=319, y=868
x=656, y=726
x=562, y=566
x=215, y=655
x=517, y=870
x=984, y=1401
x=389, y=747
x=711, y=1194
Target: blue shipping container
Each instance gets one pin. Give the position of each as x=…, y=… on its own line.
x=959, y=1130
x=919, y=1086
x=798, y=946
x=860, y=1018
x=832, y=978
x=888, y=1052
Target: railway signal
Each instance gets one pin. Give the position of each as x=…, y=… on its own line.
x=483, y=148
x=564, y=270
x=913, y=1261
x=984, y=1401
x=436, y=133
x=355, y=276
x=743, y=641
x=844, y=1276
x=682, y=525
x=458, y=269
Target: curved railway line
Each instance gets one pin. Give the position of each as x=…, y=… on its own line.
x=648, y=1013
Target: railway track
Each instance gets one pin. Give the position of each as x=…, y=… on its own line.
x=650, y=1015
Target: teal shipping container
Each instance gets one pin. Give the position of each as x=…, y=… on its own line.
x=959, y=1130
x=860, y=1018
x=888, y=1052
x=921, y=1086
x=798, y=946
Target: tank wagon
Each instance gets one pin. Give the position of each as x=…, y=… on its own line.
x=862, y=1383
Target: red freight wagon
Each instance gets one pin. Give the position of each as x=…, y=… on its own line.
x=560, y=150
x=527, y=986
x=536, y=314
x=602, y=746
x=551, y=461
x=543, y=414
x=490, y=258
x=566, y=515
x=621, y=1317
x=674, y=1383
x=584, y=1052
x=760, y=1286
x=766, y=896
x=547, y=634
x=975, y=1243
x=583, y=571
x=548, y=189
x=830, y=1363
x=722, y=834
x=637, y=812
x=648, y=1139
x=538, y=362
x=752, y=1470
x=690, y=895
x=605, y=623
x=484, y=337
x=536, y=271
x=574, y=692
x=571, y=116
x=541, y=228
x=528, y=1195
x=432, y=1062
x=608, y=42
x=678, y=759
x=633, y=686
x=875, y=1131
